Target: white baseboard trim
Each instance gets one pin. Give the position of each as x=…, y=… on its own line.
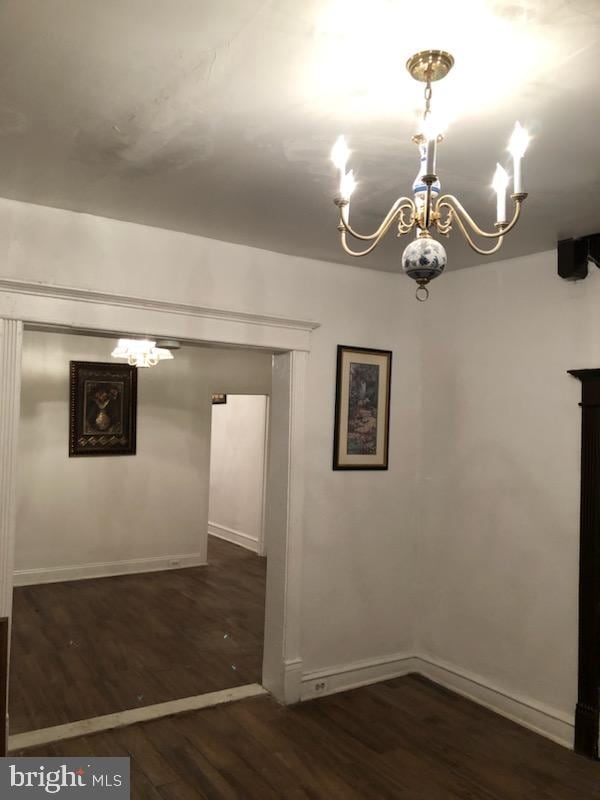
x=84, y=727
x=292, y=680
x=538, y=717
x=318, y=683
x=233, y=536
x=105, y=569
x=544, y=720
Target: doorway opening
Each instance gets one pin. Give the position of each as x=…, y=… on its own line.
x=116, y=606
x=237, y=557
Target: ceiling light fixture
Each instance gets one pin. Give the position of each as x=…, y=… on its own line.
x=140, y=352
x=425, y=258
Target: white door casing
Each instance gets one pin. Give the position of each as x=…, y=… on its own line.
x=61, y=308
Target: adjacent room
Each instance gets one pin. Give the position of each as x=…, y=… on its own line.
x=299, y=398
x=122, y=599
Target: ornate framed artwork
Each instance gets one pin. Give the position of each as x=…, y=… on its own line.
x=219, y=399
x=103, y=409
x=362, y=408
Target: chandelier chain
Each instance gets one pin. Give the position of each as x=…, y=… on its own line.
x=428, y=93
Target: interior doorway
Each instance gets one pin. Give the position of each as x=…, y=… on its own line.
x=32, y=306
x=238, y=470
x=237, y=555
x=115, y=606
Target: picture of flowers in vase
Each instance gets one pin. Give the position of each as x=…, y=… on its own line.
x=104, y=412
x=103, y=409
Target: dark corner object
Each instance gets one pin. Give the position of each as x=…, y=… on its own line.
x=4, y=684
x=574, y=255
x=587, y=712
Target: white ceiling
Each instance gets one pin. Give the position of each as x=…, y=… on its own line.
x=217, y=118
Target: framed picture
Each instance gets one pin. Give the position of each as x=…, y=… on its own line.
x=362, y=408
x=103, y=409
x=219, y=399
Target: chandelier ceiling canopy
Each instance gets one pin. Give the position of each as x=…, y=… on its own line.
x=428, y=210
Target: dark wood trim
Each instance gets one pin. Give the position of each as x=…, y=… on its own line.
x=587, y=712
x=341, y=349
x=4, y=685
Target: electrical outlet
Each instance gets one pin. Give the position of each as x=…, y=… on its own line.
x=320, y=686
x=175, y=562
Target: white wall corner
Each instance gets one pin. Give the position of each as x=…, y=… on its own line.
x=235, y=537
x=544, y=720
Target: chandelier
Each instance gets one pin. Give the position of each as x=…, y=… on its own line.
x=140, y=352
x=425, y=258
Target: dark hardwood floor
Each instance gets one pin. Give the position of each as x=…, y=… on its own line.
x=85, y=648
x=405, y=738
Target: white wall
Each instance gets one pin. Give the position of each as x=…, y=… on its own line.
x=237, y=470
x=465, y=551
x=104, y=515
x=358, y=568
x=500, y=495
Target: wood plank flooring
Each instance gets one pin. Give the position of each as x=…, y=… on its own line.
x=405, y=738
x=86, y=648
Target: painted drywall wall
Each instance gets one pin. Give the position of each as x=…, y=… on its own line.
x=358, y=565
x=359, y=526
x=500, y=494
x=79, y=517
x=465, y=551
x=237, y=470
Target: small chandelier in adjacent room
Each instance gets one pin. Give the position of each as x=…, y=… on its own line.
x=140, y=352
x=425, y=258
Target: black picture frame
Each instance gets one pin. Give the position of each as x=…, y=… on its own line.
x=102, y=409
x=362, y=408
x=219, y=399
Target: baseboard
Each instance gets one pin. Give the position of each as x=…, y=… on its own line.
x=292, y=680
x=540, y=718
x=120, y=719
x=105, y=569
x=544, y=720
x=233, y=536
x=318, y=683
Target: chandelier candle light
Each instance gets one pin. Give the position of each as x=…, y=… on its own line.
x=140, y=352
x=425, y=258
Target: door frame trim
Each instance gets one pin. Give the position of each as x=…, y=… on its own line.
x=56, y=308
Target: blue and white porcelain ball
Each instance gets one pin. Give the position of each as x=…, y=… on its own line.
x=424, y=259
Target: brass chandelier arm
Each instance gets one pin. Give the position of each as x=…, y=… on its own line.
x=401, y=203
x=467, y=236
x=403, y=228
x=364, y=252
x=451, y=202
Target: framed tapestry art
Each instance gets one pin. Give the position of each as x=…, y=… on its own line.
x=362, y=408
x=103, y=409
